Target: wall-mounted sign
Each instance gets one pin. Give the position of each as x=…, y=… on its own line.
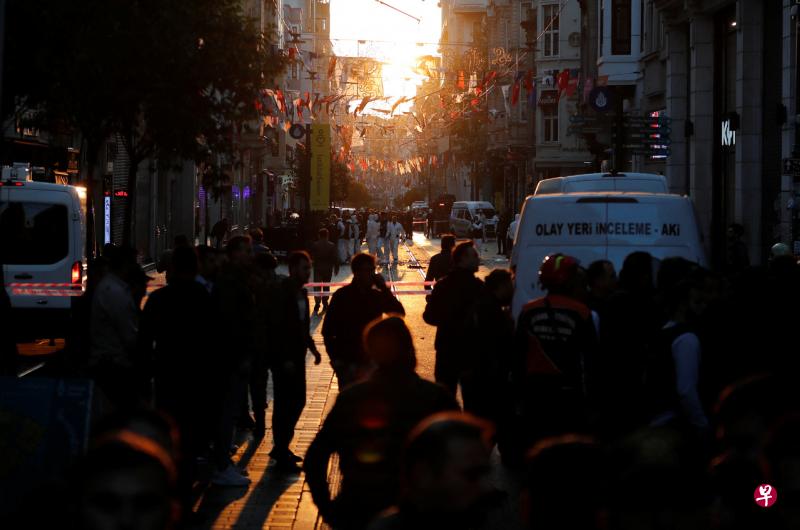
x=575, y=39
x=548, y=99
x=106, y=219
x=727, y=133
x=297, y=131
x=601, y=99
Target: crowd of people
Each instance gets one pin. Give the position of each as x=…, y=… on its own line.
x=658, y=396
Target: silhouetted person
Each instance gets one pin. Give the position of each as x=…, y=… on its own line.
x=326, y=265
x=737, y=258
x=368, y=425
x=128, y=481
x=447, y=309
x=164, y=263
x=602, y=280
x=442, y=262
x=220, y=231
x=257, y=235
x=446, y=476
x=556, y=344
x=628, y=328
x=352, y=308
x=8, y=347
x=114, y=330
x=235, y=317
x=291, y=339
x=566, y=463
x=490, y=334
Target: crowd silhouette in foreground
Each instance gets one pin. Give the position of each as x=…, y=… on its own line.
x=658, y=397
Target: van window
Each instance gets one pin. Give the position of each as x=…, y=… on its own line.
x=33, y=233
x=488, y=212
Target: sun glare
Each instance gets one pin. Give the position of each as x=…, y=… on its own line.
x=370, y=29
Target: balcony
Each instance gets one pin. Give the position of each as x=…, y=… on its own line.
x=469, y=6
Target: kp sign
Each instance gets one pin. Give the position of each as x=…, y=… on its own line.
x=320, y=167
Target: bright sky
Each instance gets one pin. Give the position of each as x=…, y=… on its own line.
x=389, y=36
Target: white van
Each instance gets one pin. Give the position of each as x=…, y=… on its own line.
x=463, y=212
x=647, y=182
x=43, y=253
x=600, y=225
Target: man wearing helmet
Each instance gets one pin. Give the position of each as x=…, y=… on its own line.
x=555, y=342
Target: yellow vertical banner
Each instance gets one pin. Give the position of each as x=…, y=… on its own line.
x=320, y=167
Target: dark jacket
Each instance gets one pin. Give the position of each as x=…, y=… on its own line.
x=235, y=315
x=349, y=313
x=440, y=265
x=325, y=257
x=291, y=333
x=367, y=428
x=449, y=305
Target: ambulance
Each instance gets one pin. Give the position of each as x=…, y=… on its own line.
x=601, y=216
x=43, y=252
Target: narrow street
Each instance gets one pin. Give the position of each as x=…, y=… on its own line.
x=284, y=501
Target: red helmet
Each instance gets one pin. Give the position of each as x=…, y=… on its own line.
x=557, y=270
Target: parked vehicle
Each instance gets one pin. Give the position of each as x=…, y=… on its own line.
x=464, y=212
x=43, y=254
x=600, y=225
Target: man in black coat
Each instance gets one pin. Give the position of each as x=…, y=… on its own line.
x=326, y=265
x=352, y=308
x=290, y=325
x=447, y=309
x=442, y=262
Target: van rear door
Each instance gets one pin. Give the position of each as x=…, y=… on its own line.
x=550, y=224
x=36, y=230
x=663, y=225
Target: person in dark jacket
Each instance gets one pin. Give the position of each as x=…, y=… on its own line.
x=179, y=356
x=352, y=308
x=367, y=428
x=447, y=309
x=442, y=262
x=556, y=346
x=326, y=265
x=490, y=332
x=290, y=324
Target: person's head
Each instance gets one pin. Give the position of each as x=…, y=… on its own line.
x=685, y=301
x=266, y=262
x=735, y=231
x=500, y=283
x=257, y=235
x=637, y=273
x=602, y=278
x=184, y=263
x=388, y=344
x=466, y=257
x=394, y=218
x=127, y=482
x=363, y=267
x=446, y=472
x=559, y=274
x=448, y=242
x=553, y=466
x=673, y=271
x=299, y=263
x=180, y=241
x=778, y=250
x=323, y=234
x=207, y=262
x=240, y=250
x=121, y=260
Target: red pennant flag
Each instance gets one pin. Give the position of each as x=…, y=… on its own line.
x=515, y=94
x=281, y=101
x=528, y=83
x=461, y=84
x=563, y=81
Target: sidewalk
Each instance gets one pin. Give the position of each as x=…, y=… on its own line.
x=275, y=500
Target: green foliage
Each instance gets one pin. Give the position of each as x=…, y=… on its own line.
x=414, y=194
x=358, y=195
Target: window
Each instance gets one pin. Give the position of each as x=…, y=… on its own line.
x=550, y=124
x=33, y=233
x=620, y=27
x=550, y=30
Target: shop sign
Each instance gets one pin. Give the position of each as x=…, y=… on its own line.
x=600, y=99
x=728, y=134
x=548, y=99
